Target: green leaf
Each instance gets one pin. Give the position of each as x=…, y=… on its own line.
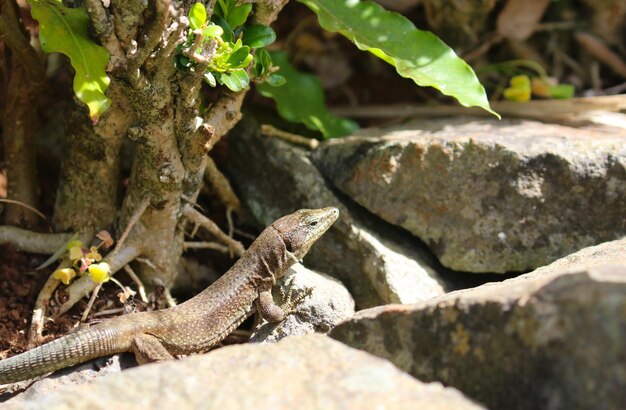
x=210, y=79
x=240, y=58
x=302, y=100
x=562, y=91
x=236, y=80
x=238, y=15
x=197, y=16
x=258, y=35
x=228, y=31
x=64, y=30
x=416, y=54
x=276, y=80
x=212, y=31
x=262, y=63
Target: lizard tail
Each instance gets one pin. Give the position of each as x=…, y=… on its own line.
x=74, y=348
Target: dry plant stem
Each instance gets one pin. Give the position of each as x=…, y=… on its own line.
x=140, y=288
x=35, y=242
x=205, y=245
x=196, y=217
x=92, y=299
x=82, y=286
x=271, y=131
x=23, y=205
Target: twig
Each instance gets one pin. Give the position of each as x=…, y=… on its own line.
x=104, y=27
x=271, y=131
x=133, y=276
x=205, y=245
x=22, y=204
x=141, y=208
x=91, y=300
x=35, y=242
x=152, y=36
x=209, y=225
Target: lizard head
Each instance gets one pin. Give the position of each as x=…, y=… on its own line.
x=302, y=228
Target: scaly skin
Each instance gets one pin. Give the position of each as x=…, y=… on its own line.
x=200, y=322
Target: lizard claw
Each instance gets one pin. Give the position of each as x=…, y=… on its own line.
x=289, y=303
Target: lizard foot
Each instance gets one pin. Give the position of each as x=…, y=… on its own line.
x=289, y=303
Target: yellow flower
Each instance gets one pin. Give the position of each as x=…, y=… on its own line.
x=65, y=275
x=76, y=251
x=519, y=89
x=100, y=272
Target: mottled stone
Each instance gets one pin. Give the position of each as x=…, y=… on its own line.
x=551, y=339
x=378, y=264
x=302, y=372
x=487, y=196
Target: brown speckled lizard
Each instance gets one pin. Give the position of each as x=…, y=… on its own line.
x=198, y=323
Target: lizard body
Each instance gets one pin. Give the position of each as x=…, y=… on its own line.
x=196, y=324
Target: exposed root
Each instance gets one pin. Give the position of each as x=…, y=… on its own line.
x=140, y=288
x=171, y=302
x=39, y=311
x=35, y=242
x=197, y=218
x=141, y=208
x=82, y=286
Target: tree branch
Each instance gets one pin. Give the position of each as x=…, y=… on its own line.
x=29, y=241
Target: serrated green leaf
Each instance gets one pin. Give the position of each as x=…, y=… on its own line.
x=235, y=80
x=197, y=16
x=301, y=100
x=258, y=35
x=416, y=54
x=64, y=30
x=238, y=15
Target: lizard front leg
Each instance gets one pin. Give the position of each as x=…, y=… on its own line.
x=148, y=349
x=273, y=313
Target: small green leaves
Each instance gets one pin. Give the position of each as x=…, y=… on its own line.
x=235, y=80
x=258, y=35
x=302, y=100
x=64, y=30
x=416, y=54
x=197, y=16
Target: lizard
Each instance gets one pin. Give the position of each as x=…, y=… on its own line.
x=200, y=322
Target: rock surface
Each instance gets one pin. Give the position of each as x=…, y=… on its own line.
x=274, y=178
x=552, y=339
x=487, y=196
x=303, y=372
x=328, y=304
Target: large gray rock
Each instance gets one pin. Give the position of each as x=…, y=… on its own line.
x=302, y=372
x=551, y=339
x=487, y=196
x=378, y=265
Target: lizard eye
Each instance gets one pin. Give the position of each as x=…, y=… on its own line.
x=313, y=223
